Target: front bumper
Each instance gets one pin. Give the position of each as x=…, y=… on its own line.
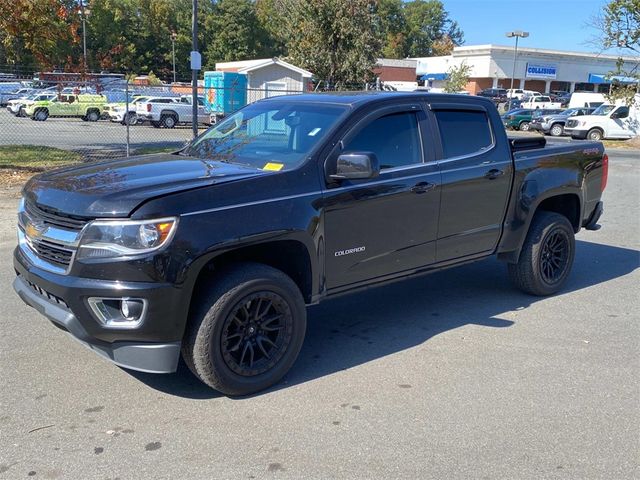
x=116, y=116
x=540, y=127
x=576, y=133
x=63, y=300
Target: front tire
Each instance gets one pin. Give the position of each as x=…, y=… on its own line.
x=546, y=257
x=247, y=330
x=40, y=115
x=556, y=130
x=594, y=134
x=524, y=126
x=93, y=116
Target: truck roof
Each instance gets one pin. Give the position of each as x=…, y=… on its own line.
x=361, y=98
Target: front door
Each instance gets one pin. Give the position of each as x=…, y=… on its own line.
x=388, y=224
x=476, y=181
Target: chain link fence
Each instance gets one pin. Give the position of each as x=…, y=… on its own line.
x=48, y=123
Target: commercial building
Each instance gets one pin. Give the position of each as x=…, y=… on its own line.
x=492, y=66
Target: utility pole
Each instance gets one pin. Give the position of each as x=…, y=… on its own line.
x=174, y=35
x=84, y=36
x=195, y=67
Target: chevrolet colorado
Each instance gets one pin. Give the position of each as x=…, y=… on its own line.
x=214, y=251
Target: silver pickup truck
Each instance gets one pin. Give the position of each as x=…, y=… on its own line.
x=167, y=112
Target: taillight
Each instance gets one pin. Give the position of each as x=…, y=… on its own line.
x=148, y=107
x=605, y=172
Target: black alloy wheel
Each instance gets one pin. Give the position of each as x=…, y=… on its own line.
x=554, y=256
x=256, y=334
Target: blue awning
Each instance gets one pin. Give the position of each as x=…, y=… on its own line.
x=603, y=78
x=434, y=76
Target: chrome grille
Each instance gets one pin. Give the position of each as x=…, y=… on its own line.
x=49, y=217
x=52, y=252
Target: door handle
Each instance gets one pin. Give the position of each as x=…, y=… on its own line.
x=422, y=187
x=493, y=174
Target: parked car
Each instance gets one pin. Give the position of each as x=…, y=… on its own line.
x=6, y=97
x=540, y=101
x=520, y=94
x=166, y=112
x=215, y=250
x=498, y=95
x=118, y=112
x=17, y=106
x=607, y=121
x=553, y=124
x=87, y=107
x=521, y=119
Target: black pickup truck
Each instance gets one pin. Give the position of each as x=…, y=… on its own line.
x=215, y=250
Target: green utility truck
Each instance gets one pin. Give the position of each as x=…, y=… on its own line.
x=85, y=106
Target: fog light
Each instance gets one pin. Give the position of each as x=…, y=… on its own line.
x=131, y=309
x=118, y=312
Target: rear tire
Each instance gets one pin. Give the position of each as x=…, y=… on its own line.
x=168, y=121
x=246, y=330
x=546, y=257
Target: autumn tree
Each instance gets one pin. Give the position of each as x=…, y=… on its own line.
x=44, y=31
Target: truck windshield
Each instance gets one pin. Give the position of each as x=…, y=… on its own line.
x=603, y=110
x=274, y=135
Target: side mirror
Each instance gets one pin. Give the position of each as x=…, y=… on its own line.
x=356, y=166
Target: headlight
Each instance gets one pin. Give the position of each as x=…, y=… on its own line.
x=114, y=238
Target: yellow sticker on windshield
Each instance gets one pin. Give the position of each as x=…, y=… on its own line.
x=274, y=167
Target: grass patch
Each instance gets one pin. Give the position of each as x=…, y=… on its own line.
x=33, y=158
x=633, y=143
x=155, y=149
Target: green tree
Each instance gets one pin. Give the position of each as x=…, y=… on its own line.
x=619, y=27
x=238, y=33
x=428, y=22
x=457, y=78
x=336, y=40
x=393, y=28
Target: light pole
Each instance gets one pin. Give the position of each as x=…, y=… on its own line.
x=174, y=35
x=518, y=34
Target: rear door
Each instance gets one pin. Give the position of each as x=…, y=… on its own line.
x=476, y=181
x=388, y=224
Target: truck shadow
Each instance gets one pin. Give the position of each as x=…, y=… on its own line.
x=352, y=330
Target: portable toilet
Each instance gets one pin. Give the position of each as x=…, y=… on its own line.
x=225, y=92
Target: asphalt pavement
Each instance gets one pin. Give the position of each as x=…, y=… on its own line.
x=453, y=375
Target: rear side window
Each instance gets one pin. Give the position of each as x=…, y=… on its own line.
x=394, y=139
x=463, y=132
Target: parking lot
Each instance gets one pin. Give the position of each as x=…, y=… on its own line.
x=453, y=375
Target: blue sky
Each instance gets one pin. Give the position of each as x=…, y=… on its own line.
x=552, y=24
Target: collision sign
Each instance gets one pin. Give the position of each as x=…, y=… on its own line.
x=541, y=71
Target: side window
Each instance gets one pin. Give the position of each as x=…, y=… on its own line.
x=622, y=112
x=395, y=139
x=463, y=132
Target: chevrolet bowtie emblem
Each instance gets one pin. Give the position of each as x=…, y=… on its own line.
x=35, y=229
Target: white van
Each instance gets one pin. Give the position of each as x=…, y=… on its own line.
x=586, y=100
x=607, y=121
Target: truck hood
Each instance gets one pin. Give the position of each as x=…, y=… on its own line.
x=116, y=188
